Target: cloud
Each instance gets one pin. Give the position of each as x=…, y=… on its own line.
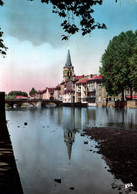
x=36, y=54
x=32, y=21
x=35, y=22
x=28, y=66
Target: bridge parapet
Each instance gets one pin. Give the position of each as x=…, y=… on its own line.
x=42, y=102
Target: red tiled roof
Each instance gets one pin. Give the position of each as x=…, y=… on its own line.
x=57, y=87
x=63, y=82
x=82, y=81
x=79, y=77
x=96, y=77
x=50, y=89
x=67, y=91
x=21, y=97
x=134, y=97
x=42, y=91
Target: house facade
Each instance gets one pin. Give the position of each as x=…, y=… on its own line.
x=57, y=92
x=90, y=90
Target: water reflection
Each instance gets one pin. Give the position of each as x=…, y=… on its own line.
x=69, y=137
x=80, y=118
x=59, y=110
x=88, y=117
x=51, y=145
x=70, y=131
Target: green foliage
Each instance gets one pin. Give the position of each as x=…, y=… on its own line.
x=33, y=91
x=17, y=93
x=1, y=2
x=133, y=68
x=73, y=9
x=9, y=97
x=119, y=66
x=3, y=48
x=70, y=10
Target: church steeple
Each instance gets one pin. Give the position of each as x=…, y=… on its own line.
x=69, y=137
x=68, y=70
x=68, y=61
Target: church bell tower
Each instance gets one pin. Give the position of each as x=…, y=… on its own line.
x=68, y=69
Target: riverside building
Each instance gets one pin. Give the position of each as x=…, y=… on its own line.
x=87, y=89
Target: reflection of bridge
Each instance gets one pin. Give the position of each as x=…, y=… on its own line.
x=34, y=102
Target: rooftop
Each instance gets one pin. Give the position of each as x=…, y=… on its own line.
x=96, y=77
x=68, y=61
x=42, y=91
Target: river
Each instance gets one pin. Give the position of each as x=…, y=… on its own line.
x=53, y=156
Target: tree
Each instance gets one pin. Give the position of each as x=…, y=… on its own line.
x=1, y=2
x=33, y=91
x=8, y=97
x=119, y=66
x=3, y=48
x=133, y=68
x=17, y=93
x=72, y=9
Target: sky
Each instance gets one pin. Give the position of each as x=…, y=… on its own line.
x=36, y=54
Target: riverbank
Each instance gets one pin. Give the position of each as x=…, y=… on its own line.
x=119, y=150
x=9, y=177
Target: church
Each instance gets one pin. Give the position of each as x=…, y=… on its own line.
x=68, y=69
x=81, y=88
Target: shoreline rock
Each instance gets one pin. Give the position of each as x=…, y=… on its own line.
x=119, y=150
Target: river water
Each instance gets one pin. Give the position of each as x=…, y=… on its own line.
x=48, y=145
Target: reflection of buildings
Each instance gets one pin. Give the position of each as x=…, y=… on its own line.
x=90, y=115
x=69, y=137
x=78, y=118
x=59, y=110
x=70, y=131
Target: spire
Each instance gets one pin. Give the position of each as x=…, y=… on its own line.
x=68, y=61
x=69, y=137
x=69, y=148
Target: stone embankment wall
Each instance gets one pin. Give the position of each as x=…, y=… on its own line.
x=2, y=107
x=119, y=104
x=9, y=177
x=131, y=104
x=104, y=104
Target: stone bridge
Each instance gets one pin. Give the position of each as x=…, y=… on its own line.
x=34, y=102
